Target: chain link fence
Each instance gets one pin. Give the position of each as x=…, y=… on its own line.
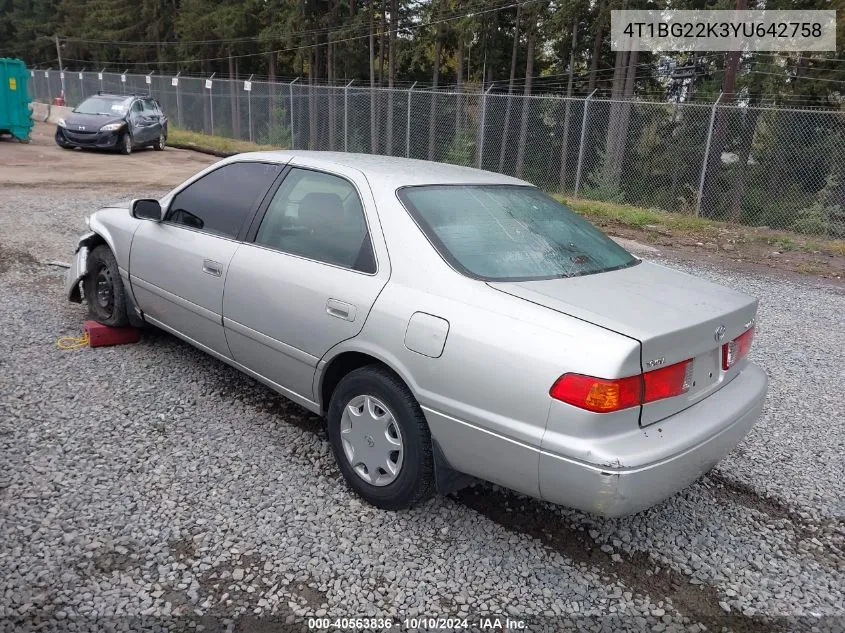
x=776, y=167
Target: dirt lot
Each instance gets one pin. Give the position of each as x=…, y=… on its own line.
x=42, y=163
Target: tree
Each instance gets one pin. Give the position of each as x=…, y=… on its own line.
x=506, y=127
x=435, y=79
x=529, y=75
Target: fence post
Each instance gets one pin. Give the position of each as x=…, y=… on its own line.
x=292, y=139
x=408, y=124
x=346, y=116
x=706, y=156
x=178, y=100
x=209, y=85
x=581, y=145
x=81, y=86
x=149, y=81
x=101, y=78
x=249, y=104
x=123, y=80
x=482, y=124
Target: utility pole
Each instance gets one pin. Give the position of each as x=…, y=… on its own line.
x=731, y=65
x=61, y=68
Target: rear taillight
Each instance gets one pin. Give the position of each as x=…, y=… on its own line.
x=737, y=349
x=602, y=395
x=597, y=394
x=667, y=381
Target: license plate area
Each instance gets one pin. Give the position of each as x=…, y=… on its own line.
x=706, y=378
x=706, y=373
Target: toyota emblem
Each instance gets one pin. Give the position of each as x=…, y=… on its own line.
x=720, y=333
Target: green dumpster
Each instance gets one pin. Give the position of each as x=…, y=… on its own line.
x=14, y=101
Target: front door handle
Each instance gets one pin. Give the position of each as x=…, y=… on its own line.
x=211, y=267
x=340, y=309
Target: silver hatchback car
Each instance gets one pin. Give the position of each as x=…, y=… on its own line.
x=448, y=322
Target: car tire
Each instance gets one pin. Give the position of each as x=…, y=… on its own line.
x=125, y=144
x=414, y=481
x=104, y=291
x=161, y=143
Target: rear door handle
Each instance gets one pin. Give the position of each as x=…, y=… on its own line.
x=211, y=267
x=340, y=309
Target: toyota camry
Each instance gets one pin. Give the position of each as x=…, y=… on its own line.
x=449, y=323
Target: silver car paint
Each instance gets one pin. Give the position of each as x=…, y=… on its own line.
x=672, y=314
x=177, y=274
x=284, y=312
x=485, y=395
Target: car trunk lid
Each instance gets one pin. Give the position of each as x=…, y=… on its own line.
x=673, y=315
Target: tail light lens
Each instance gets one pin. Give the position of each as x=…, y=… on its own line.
x=597, y=394
x=667, y=381
x=737, y=349
x=601, y=395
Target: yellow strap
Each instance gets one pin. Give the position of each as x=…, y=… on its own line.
x=72, y=342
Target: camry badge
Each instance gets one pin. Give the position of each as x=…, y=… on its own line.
x=82, y=127
x=719, y=334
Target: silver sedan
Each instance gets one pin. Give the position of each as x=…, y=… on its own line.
x=449, y=323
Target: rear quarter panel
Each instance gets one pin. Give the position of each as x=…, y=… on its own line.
x=486, y=397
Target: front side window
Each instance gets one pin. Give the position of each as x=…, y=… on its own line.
x=510, y=233
x=318, y=216
x=220, y=201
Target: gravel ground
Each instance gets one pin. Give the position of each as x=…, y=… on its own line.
x=152, y=487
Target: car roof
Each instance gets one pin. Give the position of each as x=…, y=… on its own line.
x=389, y=171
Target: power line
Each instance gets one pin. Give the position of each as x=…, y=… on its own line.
x=791, y=77
x=308, y=46
x=451, y=16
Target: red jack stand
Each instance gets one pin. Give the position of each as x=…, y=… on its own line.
x=101, y=335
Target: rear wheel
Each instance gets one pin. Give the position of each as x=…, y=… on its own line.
x=125, y=144
x=380, y=439
x=104, y=290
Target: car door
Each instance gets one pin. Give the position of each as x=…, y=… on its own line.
x=307, y=278
x=137, y=123
x=152, y=120
x=178, y=266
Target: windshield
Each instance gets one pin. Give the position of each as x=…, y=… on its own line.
x=510, y=233
x=104, y=105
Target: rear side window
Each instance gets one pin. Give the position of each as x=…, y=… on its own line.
x=510, y=233
x=318, y=216
x=221, y=201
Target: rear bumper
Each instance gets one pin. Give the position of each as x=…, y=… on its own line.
x=102, y=140
x=615, y=490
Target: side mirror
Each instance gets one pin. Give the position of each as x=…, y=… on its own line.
x=146, y=210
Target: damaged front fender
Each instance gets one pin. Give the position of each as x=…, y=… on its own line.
x=79, y=267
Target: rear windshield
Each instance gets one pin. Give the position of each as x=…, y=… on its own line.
x=510, y=233
x=104, y=105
